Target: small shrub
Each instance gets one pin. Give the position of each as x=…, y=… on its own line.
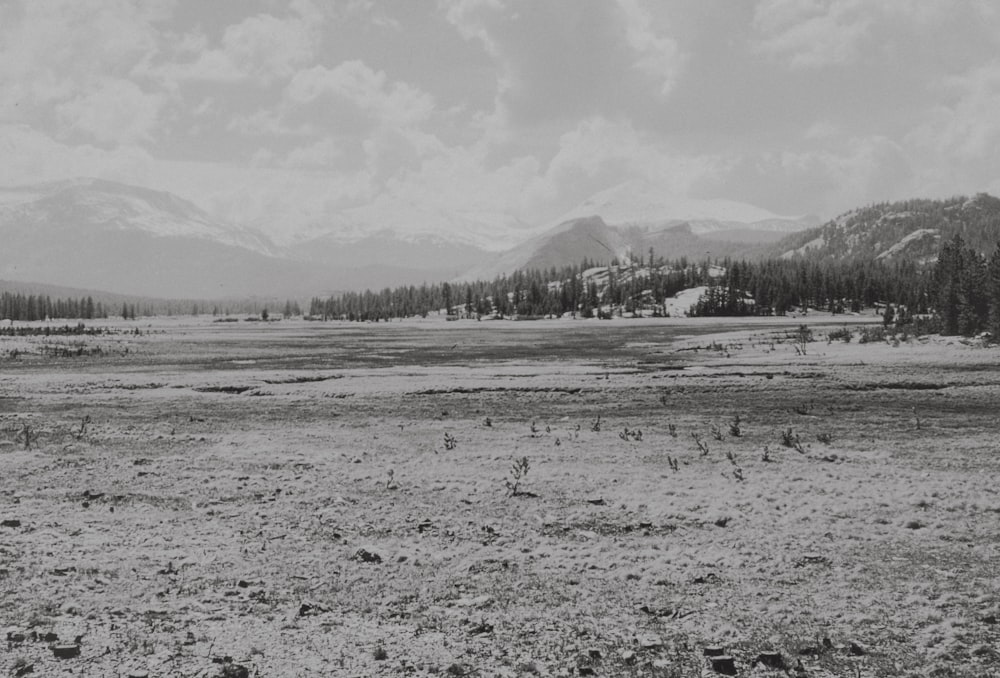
x=873, y=334
x=672, y=430
x=825, y=438
x=735, y=428
x=631, y=434
x=843, y=334
x=488, y=423
x=518, y=470
x=716, y=432
x=702, y=445
x=450, y=442
x=596, y=426
x=791, y=439
x=673, y=463
x=765, y=456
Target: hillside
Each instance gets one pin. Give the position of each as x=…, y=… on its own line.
x=102, y=235
x=635, y=216
x=911, y=230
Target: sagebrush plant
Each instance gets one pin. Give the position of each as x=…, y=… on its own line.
x=672, y=430
x=450, y=442
x=735, y=427
x=630, y=434
x=842, y=334
x=702, y=445
x=596, y=426
x=519, y=468
x=673, y=463
x=791, y=439
x=716, y=432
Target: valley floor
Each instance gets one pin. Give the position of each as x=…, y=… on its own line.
x=305, y=499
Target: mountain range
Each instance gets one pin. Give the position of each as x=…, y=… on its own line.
x=102, y=235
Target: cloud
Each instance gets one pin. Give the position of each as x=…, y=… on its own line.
x=57, y=51
x=261, y=47
x=812, y=33
x=117, y=111
x=391, y=103
x=572, y=60
x=841, y=174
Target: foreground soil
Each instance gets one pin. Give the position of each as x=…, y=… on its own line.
x=309, y=499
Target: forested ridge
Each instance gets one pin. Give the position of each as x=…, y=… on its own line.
x=735, y=287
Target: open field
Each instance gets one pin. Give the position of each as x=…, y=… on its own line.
x=305, y=499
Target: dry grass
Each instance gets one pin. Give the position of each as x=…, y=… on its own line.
x=188, y=521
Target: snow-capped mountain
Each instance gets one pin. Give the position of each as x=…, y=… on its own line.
x=635, y=216
x=110, y=207
x=102, y=235
x=641, y=204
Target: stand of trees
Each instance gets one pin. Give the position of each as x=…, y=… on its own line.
x=771, y=287
x=15, y=306
x=967, y=289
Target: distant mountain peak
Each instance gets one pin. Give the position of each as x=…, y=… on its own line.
x=641, y=202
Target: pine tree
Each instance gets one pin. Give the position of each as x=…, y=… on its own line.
x=993, y=293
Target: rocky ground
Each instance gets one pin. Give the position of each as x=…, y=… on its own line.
x=497, y=499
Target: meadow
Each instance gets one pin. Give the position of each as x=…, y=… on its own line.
x=181, y=497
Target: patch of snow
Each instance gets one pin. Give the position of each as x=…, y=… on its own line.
x=812, y=244
x=681, y=303
x=916, y=235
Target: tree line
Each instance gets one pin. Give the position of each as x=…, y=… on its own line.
x=16, y=306
x=966, y=289
x=735, y=287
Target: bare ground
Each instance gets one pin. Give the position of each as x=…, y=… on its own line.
x=298, y=499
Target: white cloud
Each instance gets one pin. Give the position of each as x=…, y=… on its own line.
x=115, y=112
x=261, y=47
x=812, y=33
x=658, y=57
x=392, y=103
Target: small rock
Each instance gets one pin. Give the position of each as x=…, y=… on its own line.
x=138, y=674
x=10, y=523
x=594, y=653
x=650, y=642
x=66, y=651
x=990, y=619
x=713, y=651
x=596, y=501
x=723, y=664
x=586, y=671
x=23, y=670
x=628, y=656
x=365, y=556
x=771, y=659
x=661, y=663
x=722, y=522
x=856, y=649
x=480, y=628
x=49, y=637
x=234, y=671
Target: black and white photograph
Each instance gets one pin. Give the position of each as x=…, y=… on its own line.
x=500, y=338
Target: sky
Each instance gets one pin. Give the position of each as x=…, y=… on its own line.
x=286, y=114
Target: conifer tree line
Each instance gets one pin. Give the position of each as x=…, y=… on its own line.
x=771, y=287
x=18, y=306
x=15, y=306
x=966, y=289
